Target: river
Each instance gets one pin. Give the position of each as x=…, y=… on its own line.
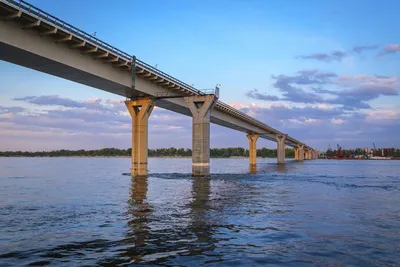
x=85, y=212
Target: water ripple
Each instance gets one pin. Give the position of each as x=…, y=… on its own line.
x=316, y=213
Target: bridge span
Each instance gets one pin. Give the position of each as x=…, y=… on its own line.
x=32, y=38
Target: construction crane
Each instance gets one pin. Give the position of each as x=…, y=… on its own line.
x=374, y=153
x=339, y=151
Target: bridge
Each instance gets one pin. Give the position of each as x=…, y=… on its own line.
x=32, y=38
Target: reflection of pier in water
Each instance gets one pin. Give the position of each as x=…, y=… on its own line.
x=268, y=168
x=201, y=225
x=156, y=233
x=140, y=210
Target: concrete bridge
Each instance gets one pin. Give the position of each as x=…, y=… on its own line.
x=34, y=39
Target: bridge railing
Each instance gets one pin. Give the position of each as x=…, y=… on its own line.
x=245, y=116
x=214, y=91
x=162, y=74
x=48, y=18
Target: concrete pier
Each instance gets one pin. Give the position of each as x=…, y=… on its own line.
x=306, y=152
x=253, y=148
x=314, y=154
x=309, y=154
x=200, y=107
x=140, y=111
x=280, y=139
x=300, y=156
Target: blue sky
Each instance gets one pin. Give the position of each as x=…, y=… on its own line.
x=251, y=48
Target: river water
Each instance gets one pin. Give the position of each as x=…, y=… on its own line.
x=84, y=212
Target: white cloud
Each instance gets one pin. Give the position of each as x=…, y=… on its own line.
x=337, y=121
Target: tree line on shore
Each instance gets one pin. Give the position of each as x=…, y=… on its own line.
x=159, y=152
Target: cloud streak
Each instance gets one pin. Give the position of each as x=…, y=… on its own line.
x=327, y=57
x=338, y=55
x=390, y=49
x=55, y=100
x=360, y=49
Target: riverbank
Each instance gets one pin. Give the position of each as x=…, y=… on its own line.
x=166, y=157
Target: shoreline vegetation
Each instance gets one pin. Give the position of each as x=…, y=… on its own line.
x=230, y=152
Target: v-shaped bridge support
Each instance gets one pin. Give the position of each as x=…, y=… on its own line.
x=253, y=148
x=140, y=111
x=299, y=153
x=281, y=146
x=200, y=107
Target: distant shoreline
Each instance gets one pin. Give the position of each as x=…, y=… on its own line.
x=172, y=157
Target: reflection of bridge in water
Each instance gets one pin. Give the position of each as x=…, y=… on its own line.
x=154, y=234
x=32, y=38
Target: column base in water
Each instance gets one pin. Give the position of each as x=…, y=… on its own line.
x=300, y=153
x=252, y=148
x=140, y=111
x=200, y=107
x=280, y=139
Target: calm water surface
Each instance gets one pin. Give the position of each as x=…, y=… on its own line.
x=84, y=212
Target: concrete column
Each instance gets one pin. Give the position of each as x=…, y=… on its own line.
x=301, y=153
x=280, y=139
x=253, y=169
x=140, y=111
x=200, y=107
x=296, y=153
x=253, y=148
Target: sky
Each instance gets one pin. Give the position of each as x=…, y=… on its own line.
x=324, y=72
